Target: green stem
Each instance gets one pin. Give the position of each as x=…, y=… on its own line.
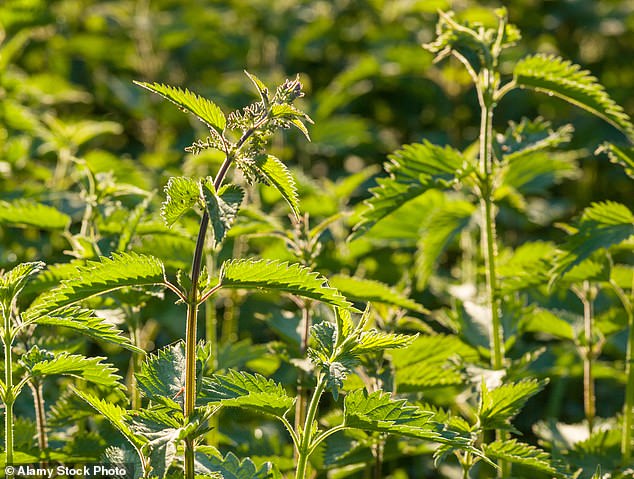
x=628, y=406
x=211, y=335
x=589, y=400
x=9, y=391
x=193, y=301
x=487, y=88
x=300, y=406
x=306, y=435
x=190, y=378
x=488, y=231
x=40, y=416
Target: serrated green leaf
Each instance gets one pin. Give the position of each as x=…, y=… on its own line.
x=261, y=87
x=76, y=365
x=182, y=194
x=516, y=452
x=427, y=362
x=546, y=322
x=115, y=415
x=279, y=276
x=368, y=290
x=278, y=175
x=249, y=391
x=602, y=225
x=162, y=432
x=377, y=411
x=441, y=226
x=534, y=173
x=374, y=341
x=203, y=109
x=622, y=155
x=162, y=376
x=22, y=213
x=222, y=207
x=498, y=406
x=230, y=467
x=555, y=76
x=528, y=136
x=380, y=413
x=86, y=323
x=98, y=277
x=527, y=266
x=413, y=170
x=13, y=281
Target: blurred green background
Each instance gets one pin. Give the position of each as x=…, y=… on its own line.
x=370, y=86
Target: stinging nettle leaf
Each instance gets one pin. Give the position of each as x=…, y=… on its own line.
x=441, y=226
x=279, y=276
x=555, y=76
x=528, y=136
x=261, y=87
x=278, y=175
x=427, y=362
x=222, y=207
x=368, y=290
x=374, y=341
x=85, y=322
x=24, y=213
x=12, y=282
x=413, y=170
x=117, y=416
x=380, y=413
x=162, y=376
x=230, y=467
x=249, y=391
x=182, y=194
x=498, y=406
x=523, y=454
x=602, y=225
x=205, y=110
x=98, y=277
x=76, y=365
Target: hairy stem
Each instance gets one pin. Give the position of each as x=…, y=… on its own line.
x=40, y=417
x=7, y=342
x=488, y=233
x=192, y=316
x=487, y=88
x=589, y=399
x=302, y=398
x=378, y=458
x=306, y=434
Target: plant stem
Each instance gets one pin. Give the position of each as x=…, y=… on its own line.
x=306, y=434
x=487, y=88
x=190, y=379
x=628, y=406
x=300, y=406
x=192, y=316
x=40, y=416
x=7, y=342
x=488, y=229
x=589, y=400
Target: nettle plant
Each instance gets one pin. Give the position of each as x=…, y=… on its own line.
x=500, y=295
x=168, y=427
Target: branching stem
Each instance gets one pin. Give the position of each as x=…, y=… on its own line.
x=306, y=435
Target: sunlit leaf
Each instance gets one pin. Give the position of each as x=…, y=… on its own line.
x=556, y=76
x=203, y=109
x=279, y=276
